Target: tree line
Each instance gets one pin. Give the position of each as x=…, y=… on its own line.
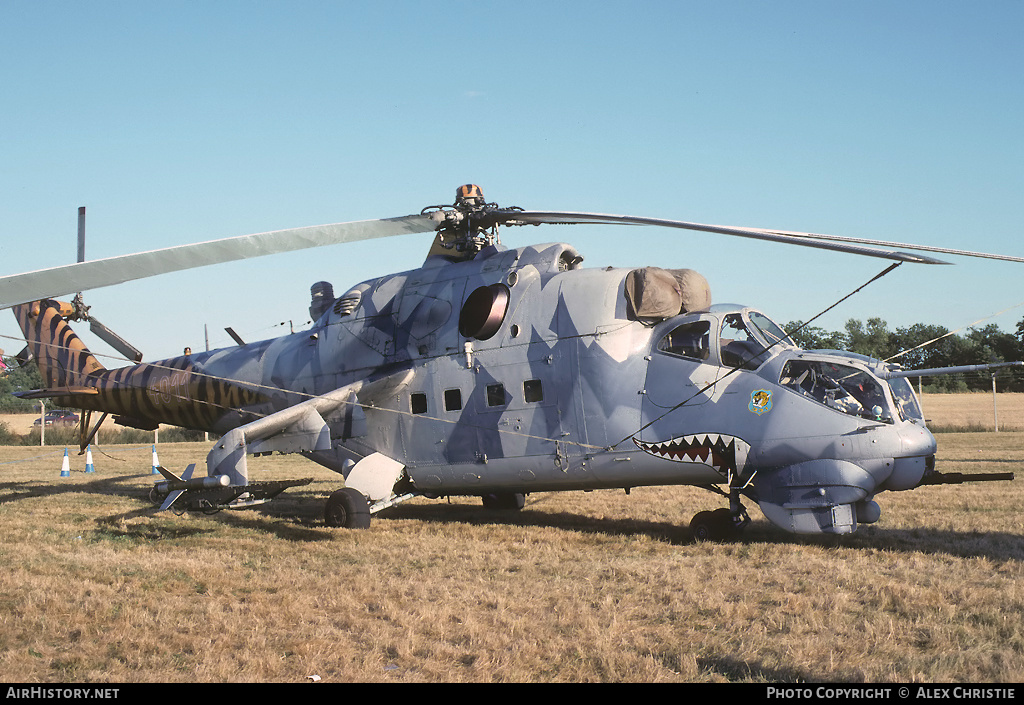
x=923, y=346
x=18, y=379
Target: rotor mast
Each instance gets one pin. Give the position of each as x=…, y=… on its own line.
x=467, y=226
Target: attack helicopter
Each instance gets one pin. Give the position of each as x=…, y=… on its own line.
x=498, y=372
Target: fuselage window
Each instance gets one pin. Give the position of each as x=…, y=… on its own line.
x=452, y=399
x=533, y=391
x=495, y=395
x=418, y=402
x=692, y=340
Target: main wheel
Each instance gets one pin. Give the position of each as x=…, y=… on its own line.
x=713, y=526
x=703, y=527
x=504, y=500
x=347, y=508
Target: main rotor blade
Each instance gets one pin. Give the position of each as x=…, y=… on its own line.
x=922, y=248
x=556, y=217
x=94, y=274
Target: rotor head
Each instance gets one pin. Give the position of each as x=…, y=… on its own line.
x=467, y=226
x=469, y=195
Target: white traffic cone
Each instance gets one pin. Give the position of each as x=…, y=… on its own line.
x=156, y=463
x=65, y=468
x=88, y=460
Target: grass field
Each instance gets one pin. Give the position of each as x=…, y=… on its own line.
x=577, y=587
x=974, y=412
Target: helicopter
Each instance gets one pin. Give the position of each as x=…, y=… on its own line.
x=498, y=372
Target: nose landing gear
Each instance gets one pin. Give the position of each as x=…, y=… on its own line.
x=721, y=524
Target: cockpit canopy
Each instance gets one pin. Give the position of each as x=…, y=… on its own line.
x=729, y=335
x=841, y=387
x=737, y=337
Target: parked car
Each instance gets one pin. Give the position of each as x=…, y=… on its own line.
x=59, y=417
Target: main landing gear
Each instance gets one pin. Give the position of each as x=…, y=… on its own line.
x=347, y=508
x=504, y=501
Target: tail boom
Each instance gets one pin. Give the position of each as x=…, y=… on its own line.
x=175, y=391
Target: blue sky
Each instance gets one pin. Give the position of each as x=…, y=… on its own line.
x=179, y=122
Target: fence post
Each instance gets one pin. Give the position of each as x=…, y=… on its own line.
x=995, y=412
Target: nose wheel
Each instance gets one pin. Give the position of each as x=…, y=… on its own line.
x=721, y=524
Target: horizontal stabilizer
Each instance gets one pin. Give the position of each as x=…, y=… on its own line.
x=57, y=392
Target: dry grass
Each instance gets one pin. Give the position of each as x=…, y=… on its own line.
x=577, y=587
x=974, y=412
x=19, y=423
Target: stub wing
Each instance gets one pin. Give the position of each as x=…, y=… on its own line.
x=303, y=428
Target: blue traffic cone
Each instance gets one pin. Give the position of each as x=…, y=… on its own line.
x=88, y=460
x=156, y=463
x=65, y=468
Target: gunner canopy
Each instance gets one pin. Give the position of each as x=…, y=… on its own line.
x=841, y=387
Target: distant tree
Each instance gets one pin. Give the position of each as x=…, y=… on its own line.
x=994, y=345
x=934, y=346
x=998, y=346
x=922, y=346
x=814, y=337
x=18, y=379
x=874, y=339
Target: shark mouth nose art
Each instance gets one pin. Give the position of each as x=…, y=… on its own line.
x=726, y=454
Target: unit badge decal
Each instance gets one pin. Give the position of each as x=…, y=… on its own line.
x=760, y=401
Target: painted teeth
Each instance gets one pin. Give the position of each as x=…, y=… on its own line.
x=725, y=454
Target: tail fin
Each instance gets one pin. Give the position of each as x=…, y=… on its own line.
x=63, y=359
